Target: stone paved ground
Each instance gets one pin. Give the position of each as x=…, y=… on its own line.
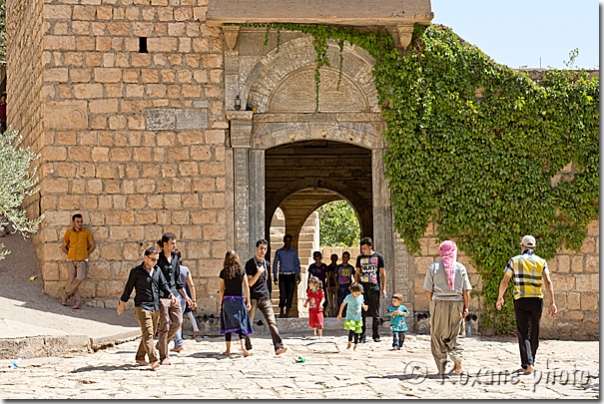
x=329, y=372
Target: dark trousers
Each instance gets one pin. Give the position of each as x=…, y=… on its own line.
x=287, y=286
x=266, y=307
x=353, y=335
x=528, y=319
x=372, y=299
x=227, y=336
x=342, y=293
x=398, y=339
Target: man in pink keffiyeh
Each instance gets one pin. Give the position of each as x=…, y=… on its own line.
x=448, y=254
x=448, y=289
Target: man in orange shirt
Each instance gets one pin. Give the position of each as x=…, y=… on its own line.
x=78, y=244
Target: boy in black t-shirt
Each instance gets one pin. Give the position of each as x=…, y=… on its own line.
x=331, y=285
x=370, y=273
x=257, y=269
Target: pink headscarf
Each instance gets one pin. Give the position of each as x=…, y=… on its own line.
x=448, y=254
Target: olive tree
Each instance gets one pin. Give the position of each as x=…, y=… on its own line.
x=17, y=180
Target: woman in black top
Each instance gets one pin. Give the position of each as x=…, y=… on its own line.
x=234, y=315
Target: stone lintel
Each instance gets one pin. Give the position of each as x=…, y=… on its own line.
x=333, y=12
x=239, y=115
x=423, y=19
x=319, y=117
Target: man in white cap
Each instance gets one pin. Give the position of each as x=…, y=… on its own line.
x=529, y=272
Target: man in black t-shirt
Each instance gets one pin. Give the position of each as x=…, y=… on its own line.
x=370, y=273
x=258, y=273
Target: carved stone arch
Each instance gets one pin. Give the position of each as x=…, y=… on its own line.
x=344, y=192
x=336, y=197
x=299, y=53
x=297, y=93
x=364, y=134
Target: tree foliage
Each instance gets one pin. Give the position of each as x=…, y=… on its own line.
x=17, y=180
x=339, y=226
x=477, y=148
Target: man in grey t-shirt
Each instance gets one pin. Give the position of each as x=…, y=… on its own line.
x=448, y=289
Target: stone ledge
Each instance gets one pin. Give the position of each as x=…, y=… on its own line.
x=44, y=346
x=111, y=340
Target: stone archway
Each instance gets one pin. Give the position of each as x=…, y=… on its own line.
x=316, y=192
x=269, y=140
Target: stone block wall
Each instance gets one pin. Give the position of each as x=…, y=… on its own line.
x=575, y=277
x=134, y=141
x=24, y=89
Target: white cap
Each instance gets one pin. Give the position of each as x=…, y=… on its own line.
x=528, y=241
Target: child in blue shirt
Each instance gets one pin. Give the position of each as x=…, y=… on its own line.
x=397, y=313
x=354, y=320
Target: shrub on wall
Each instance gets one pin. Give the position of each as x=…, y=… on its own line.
x=17, y=180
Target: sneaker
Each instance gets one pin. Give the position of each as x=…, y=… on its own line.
x=362, y=340
x=377, y=339
x=177, y=349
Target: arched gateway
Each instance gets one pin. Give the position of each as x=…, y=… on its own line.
x=280, y=147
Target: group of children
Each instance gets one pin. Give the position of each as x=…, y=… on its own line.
x=235, y=301
x=350, y=300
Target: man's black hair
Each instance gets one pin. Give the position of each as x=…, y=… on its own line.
x=367, y=241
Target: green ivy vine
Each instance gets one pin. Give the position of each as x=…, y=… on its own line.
x=474, y=146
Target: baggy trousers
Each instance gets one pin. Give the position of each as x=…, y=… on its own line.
x=446, y=320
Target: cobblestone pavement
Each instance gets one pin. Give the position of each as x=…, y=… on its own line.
x=565, y=369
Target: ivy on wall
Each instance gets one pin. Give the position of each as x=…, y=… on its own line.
x=478, y=148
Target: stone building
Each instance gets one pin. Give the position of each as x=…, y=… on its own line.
x=131, y=104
